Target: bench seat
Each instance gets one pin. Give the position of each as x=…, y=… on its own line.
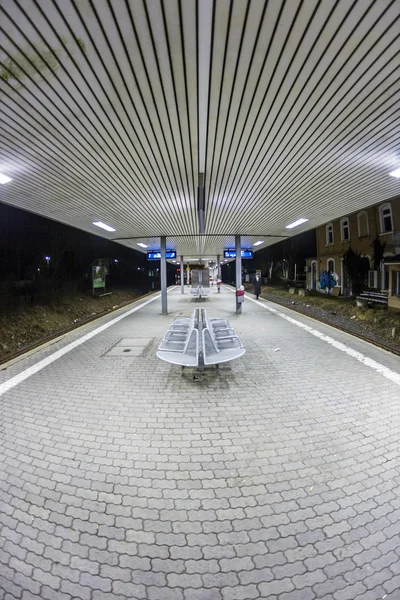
x=198, y=341
x=373, y=298
x=187, y=353
x=216, y=352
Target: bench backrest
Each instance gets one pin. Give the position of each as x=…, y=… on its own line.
x=192, y=343
x=209, y=346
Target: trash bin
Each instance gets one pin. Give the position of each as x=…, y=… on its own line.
x=239, y=299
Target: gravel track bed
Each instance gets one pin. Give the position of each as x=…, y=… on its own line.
x=352, y=325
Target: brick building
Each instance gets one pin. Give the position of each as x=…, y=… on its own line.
x=358, y=230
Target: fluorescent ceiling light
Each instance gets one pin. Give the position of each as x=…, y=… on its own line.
x=395, y=173
x=4, y=178
x=103, y=226
x=142, y=245
x=296, y=223
x=258, y=243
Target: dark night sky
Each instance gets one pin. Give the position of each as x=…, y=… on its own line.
x=26, y=238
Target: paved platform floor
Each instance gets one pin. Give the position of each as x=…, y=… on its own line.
x=276, y=479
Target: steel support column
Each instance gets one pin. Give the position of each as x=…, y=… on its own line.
x=182, y=276
x=163, y=274
x=238, y=271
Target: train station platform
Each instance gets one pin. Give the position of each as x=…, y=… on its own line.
x=275, y=478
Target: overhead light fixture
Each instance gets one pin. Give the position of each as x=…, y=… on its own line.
x=142, y=245
x=258, y=243
x=395, y=173
x=103, y=226
x=4, y=178
x=296, y=223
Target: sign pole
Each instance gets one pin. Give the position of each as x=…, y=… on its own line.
x=163, y=273
x=182, y=276
x=238, y=272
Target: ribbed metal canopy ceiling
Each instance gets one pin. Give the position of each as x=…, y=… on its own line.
x=111, y=109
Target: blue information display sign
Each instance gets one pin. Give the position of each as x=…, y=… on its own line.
x=232, y=253
x=229, y=254
x=156, y=254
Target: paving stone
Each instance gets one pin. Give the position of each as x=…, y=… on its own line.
x=247, y=592
x=236, y=564
x=155, y=593
x=350, y=591
x=220, y=580
x=47, y=579
x=256, y=576
x=198, y=566
x=256, y=490
x=129, y=590
x=275, y=588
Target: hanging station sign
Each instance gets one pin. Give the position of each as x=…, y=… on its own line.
x=231, y=253
x=156, y=254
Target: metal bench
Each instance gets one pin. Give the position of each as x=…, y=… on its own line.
x=181, y=346
x=200, y=292
x=370, y=298
x=199, y=342
x=177, y=337
x=220, y=343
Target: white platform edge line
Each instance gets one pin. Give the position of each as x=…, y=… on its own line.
x=365, y=360
x=11, y=383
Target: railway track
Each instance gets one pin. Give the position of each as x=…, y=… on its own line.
x=59, y=333
x=6, y=358
x=371, y=340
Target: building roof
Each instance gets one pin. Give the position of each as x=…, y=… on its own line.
x=393, y=260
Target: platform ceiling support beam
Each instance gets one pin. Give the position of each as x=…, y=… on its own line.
x=182, y=276
x=205, y=27
x=238, y=270
x=163, y=275
x=219, y=266
x=201, y=207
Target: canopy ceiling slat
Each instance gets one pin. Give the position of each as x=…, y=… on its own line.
x=113, y=110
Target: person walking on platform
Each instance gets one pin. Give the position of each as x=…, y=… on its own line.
x=257, y=285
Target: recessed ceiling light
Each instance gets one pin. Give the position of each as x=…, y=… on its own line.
x=258, y=243
x=103, y=226
x=142, y=245
x=4, y=178
x=395, y=173
x=296, y=223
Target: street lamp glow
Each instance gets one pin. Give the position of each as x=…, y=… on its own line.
x=395, y=173
x=103, y=226
x=296, y=223
x=4, y=178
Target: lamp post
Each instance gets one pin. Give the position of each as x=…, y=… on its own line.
x=47, y=262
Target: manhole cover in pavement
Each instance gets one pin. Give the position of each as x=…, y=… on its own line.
x=129, y=347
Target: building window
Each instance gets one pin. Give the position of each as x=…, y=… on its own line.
x=345, y=229
x=329, y=234
x=363, y=225
x=385, y=213
x=395, y=283
x=331, y=265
